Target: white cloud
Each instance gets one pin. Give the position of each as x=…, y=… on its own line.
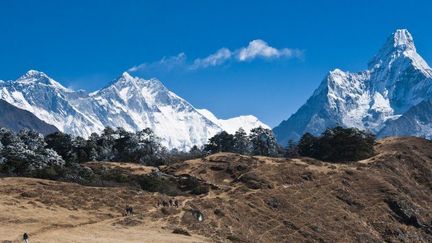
x=260, y=48
x=218, y=58
x=255, y=49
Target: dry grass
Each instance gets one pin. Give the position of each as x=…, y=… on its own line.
x=254, y=199
x=133, y=168
x=64, y=212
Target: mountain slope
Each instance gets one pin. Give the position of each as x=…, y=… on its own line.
x=415, y=122
x=17, y=119
x=397, y=78
x=231, y=125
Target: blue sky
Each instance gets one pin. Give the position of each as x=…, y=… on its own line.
x=86, y=44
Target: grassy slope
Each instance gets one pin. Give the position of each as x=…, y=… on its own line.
x=254, y=199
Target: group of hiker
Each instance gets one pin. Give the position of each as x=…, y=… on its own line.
x=162, y=203
x=168, y=203
x=129, y=210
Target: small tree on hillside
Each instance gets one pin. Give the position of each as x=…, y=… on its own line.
x=195, y=152
x=61, y=143
x=307, y=145
x=105, y=145
x=149, y=150
x=263, y=142
x=80, y=152
x=221, y=142
x=33, y=140
x=92, y=147
x=241, y=142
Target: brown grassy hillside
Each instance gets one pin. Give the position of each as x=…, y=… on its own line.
x=253, y=199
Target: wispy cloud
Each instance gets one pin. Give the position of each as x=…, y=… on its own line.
x=215, y=59
x=255, y=49
x=166, y=64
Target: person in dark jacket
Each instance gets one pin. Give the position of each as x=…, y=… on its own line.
x=25, y=237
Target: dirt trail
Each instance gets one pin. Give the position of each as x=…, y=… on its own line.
x=25, y=208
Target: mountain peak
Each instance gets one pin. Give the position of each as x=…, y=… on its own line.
x=33, y=74
x=399, y=48
x=127, y=79
x=398, y=42
x=126, y=75
x=38, y=77
x=401, y=39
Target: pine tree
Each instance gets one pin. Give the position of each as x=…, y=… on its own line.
x=61, y=143
x=221, y=142
x=195, y=152
x=308, y=145
x=33, y=140
x=263, y=142
x=241, y=142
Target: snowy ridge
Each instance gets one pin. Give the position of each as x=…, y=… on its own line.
x=397, y=79
x=233, y=124
x=129, y=102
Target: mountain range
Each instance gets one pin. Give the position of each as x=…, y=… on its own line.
x=392, y=97
x=129, y=102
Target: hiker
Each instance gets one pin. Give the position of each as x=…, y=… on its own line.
x=176, y=203
x=198, y=215
x=170, y=202
x=129, y=210
x=25, y=237
x=164, y=203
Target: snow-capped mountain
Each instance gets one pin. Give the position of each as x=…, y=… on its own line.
x=397, y=79
x=49, y=101
x=129, y=102
x=134, y=104
x=231, y=125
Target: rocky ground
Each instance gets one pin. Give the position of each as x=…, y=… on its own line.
x=251, y=199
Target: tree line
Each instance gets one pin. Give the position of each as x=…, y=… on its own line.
x=59, y=155
x=260, y=141
x=336, y=144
